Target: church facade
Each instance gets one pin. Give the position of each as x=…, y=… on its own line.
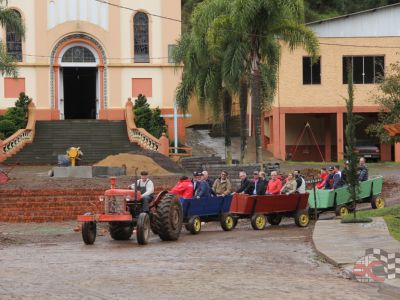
x=82, y=59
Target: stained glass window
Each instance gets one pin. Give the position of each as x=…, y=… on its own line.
x=78, y=54
x=141, y=37
x=14, y=43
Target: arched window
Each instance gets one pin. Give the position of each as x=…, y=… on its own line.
x=14, y=43
x=141, y=37
x=78, y=54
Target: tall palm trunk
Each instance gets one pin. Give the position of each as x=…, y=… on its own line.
x=243, y=94
x=256, y=103
x=227, y=108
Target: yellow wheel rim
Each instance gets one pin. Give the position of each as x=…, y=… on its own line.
x=229, y=222
x=344, y=211
x=260, y=222
x=304, y=219
x=197, y=225
x=380, y=202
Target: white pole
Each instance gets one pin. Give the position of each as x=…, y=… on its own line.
x=175, y=127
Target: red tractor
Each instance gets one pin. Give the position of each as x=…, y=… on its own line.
x=123, y=212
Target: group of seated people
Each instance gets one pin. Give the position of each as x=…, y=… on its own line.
x=334, y=178
x=202, y=186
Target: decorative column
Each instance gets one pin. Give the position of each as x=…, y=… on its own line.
x=102, y=110
x=55, y=113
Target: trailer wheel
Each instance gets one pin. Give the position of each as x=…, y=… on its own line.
x=258, y=221
x=274, y=219
x=194, y=225
x=169, y=218
x=121, y=231
x=143, y=229
x=377, y=202
x=89, y=232
x=341, y=211
x=227, y=222
x=302, y=219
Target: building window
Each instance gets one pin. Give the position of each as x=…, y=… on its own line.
x=311, y=71
x=78, y=54
x=141, y=37
x=365, y=69
x=14, y=43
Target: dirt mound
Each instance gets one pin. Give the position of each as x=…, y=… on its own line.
x=162, y=160
x=133, y=161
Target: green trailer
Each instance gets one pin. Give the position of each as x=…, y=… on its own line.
x=339, y=200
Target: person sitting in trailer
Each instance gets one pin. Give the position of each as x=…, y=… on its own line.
x=290, y=186
x=263, y=178
x=274, y=185
x=362, y=170
x=337, y=178
x=257, y=185
x=301, y=183
x=345, y=172
x=245, y=184
x=323, y=176
x=184, y=188
x=222, y=186
x=202, y=188
x=146, y=187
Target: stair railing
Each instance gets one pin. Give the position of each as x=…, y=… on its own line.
x=140, y=136
x=22, y=137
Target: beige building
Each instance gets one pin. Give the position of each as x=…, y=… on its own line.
x=314, y=94
x=82, y=59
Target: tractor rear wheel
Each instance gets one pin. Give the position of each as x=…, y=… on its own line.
x=143, y=229
x=274, y=219
x=258, y=222
x=169, y=218
x=121, y=231
x=89, y=232
x=227, y=222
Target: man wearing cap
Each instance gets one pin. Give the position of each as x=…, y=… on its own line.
x=146, y=189
x=258, y=185
x=184, y=188
x=202, y=189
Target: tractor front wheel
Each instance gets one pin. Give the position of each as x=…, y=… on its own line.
x=258, y=222
x=228, y=222
x=143, y=229
x=377, y=202
x=89, y=232
x=121, y=231
x=169, y=218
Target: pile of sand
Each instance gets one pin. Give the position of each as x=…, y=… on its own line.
x=133, y=161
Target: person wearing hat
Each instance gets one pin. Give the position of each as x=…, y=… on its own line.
x=329, y=179
x=146, y=189
x=222, y=186
x=201, y=189
x=258, y=185
x=184, y=188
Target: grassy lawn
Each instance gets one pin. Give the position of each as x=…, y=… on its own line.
x=391, y=216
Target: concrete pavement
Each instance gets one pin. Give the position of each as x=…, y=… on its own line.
x=344, y=244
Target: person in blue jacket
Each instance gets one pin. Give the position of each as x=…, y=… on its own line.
x=202, y=187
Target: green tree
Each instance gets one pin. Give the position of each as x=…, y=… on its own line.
x=147, y=118
x=202, y=73
x=11, y=20
x=264, y=24
x=350, y=155
x=388, y=98
x=15, y=117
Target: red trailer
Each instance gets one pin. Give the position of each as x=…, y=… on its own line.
x=272, y=208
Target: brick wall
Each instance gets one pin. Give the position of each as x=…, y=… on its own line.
x=50, y=205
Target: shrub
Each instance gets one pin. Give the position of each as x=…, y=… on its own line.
x=7, y=127
x=15, y=117
x=147, y=118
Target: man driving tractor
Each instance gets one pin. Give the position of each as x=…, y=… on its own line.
x=146, y=188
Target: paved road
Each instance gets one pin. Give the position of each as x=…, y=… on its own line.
x=278, y=263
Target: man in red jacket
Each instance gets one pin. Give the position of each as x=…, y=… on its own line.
x=183, y=189
x=274, y=185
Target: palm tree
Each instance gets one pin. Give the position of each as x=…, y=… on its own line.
x=264, y=24
x=203, y=66
x=12, y=21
